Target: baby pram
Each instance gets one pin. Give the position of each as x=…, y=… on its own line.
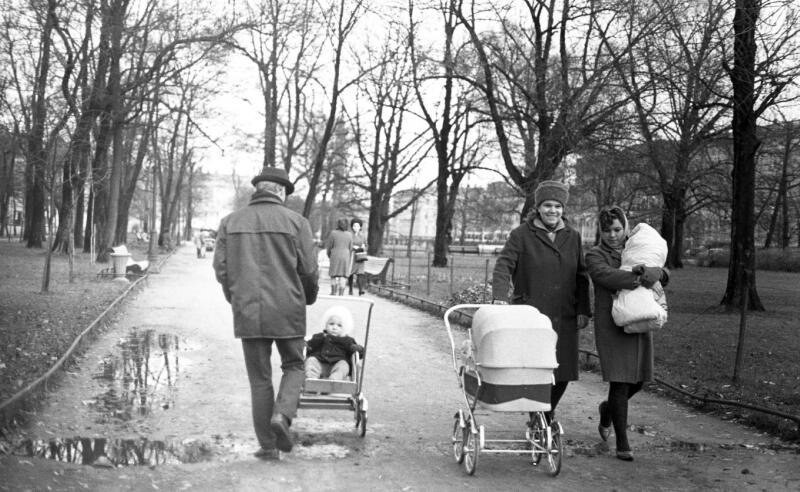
x=342, y=395
x=505, y=365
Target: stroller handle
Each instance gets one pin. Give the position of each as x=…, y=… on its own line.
x=450, y=330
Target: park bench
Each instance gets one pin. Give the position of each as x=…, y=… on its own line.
x=376, y=268
x=464, y=250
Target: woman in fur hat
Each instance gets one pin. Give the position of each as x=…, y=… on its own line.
x=542, y=261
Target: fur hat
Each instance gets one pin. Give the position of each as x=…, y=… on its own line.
x=276, y=175
x=551, y=190
x=343, y=314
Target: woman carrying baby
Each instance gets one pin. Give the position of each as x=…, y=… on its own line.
x=626, y=360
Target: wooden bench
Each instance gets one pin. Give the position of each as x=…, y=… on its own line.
x=376, y=268
x=464, y=250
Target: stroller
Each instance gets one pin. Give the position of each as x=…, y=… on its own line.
x=506, y=365
x=348, y=394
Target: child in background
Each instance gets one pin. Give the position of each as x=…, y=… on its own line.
x=328, y=352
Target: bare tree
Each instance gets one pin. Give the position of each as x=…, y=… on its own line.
x=676, y=83
x=282, y=42
x=449, y=124
x=783, y=178
x=36, y=152
x=758, y=80
x=341, y=22
x=553, y=89
x=388, y=153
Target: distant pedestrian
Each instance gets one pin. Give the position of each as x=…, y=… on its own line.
x=197, y=239
x=543, y=259
x=359, y=257
x=265, y=259
x=626, y=360
x=339, y=246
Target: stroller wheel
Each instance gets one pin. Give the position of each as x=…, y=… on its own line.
x=363, y=422
x=554, y=449
x=458, y=438
x=471, y=449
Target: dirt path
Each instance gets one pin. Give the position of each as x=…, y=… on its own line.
x=197, y=402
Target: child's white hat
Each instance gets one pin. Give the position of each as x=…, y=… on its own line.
x=343, y=314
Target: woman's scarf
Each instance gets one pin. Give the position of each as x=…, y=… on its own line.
x=551, y=231
x=626, y=232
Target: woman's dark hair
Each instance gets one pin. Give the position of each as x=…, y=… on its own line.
x=609, y=214
x=341, y=224
x=356, y=221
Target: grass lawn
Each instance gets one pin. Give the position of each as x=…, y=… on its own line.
x=697, y=348
x=36, y=327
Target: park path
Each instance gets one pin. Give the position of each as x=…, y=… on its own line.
x=179, y=327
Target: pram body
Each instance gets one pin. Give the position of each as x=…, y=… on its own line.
x=507, y=365
x=346, y=394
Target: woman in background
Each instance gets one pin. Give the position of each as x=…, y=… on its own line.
x=339, y=246
x=359, y=246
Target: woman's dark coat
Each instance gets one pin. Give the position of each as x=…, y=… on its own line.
x=549, y=275
x=624, y=358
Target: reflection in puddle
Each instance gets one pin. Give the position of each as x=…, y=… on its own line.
x=142, y=377
x=116, y=452
x=104, y=452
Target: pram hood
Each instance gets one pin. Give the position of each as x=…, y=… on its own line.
x=517, y=336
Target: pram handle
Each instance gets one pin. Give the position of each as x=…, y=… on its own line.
x=450, y=331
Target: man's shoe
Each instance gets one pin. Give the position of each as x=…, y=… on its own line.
x=625, y=455
x=268, y=454
x=280, y=427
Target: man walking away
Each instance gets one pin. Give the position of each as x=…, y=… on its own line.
x=266, y=260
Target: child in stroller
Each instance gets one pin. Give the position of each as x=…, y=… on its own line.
x=329, y=351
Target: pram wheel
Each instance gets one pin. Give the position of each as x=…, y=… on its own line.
x=361, y=421
x=554, y=449
x=471, y=449
x=458, y=438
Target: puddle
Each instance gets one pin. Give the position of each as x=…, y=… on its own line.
x=102, y=452
x=141, y=377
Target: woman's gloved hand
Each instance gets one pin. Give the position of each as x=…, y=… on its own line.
x=583, y=321
x=648, y=276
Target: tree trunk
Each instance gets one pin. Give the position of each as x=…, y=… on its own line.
x=741, y=270
x=37, y=153
x=88, y=237
x=673, y=217
x=118, y=8
x=100, y=187
x=131, y=179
